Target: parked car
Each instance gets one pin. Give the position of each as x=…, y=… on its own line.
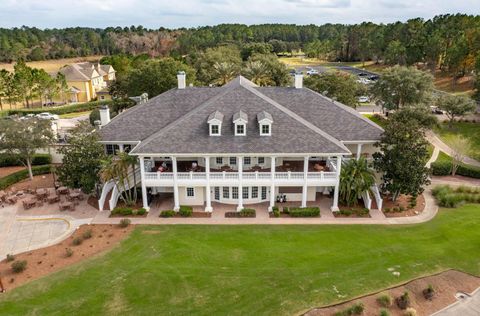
x=27, y=117
x=435, y=110
x=47, y=116
x=364, y=81
x=363, y=99
x=373, y=77
x=362, y=74
x=312, y=72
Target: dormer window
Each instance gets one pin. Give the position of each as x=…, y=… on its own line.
x=215, y=123
x=240, y=120
x=265, y=121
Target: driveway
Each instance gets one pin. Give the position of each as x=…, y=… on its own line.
x=469, y=306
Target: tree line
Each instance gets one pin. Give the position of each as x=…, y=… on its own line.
x=26, y=84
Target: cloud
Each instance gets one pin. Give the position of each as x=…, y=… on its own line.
x=189, y=13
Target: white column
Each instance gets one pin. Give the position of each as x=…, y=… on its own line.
x=144, y=188
x=208, y=207
x=359, y=150
x=176, y=206
x=335, y=193
x=240, y=188
x=272, y=185
x=305, y=188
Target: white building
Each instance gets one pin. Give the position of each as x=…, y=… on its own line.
x=239, y=144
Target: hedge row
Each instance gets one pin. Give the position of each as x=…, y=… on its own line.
x=18, y=176
x=443, y=167
x=125, y=211
x=38, y=159
x=304, y=211
x=64, y=109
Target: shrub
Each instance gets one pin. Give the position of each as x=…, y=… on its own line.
x=124, y=222
x=429, y=292
x=275, y=211
x=443, y=167
x=185, y=211
x=304, y=211
x=385, y=300
x=355, y=309
x=19, y=266
x=447, y=196
x=38, y=159
x=21, y=175
x=401, y=209
x=141, y=211
x=87, y=234
x=124, y=211
x=410, y=312
x=68, y=252
x=247, y=212
x=403, y=301
x=167, y=213
x=384, y=312
x=77, y=241
x=387, y=210
x=285, y=210
x=10, y=258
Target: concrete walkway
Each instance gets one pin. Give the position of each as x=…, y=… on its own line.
x=377, y=218
x=438, y=143
x=469, y=306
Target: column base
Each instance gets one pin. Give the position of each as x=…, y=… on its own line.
x=270, y=209
x=147, y=208
x=334, y=209
x=176, y=209
x=208, y=209
x=239, y=208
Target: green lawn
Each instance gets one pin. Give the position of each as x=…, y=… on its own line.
x=250, y=270
x=74, y=114
x=468, y=130
x=376, y=119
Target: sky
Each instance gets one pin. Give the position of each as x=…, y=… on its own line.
x=191, y=13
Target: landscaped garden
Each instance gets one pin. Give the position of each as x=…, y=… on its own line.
x=469, y=130
x=254, y=270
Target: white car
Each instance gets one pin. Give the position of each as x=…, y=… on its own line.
x=363, y=99
x=364, y=81
x=312, y=72
x=47, y=116
x=27, y=117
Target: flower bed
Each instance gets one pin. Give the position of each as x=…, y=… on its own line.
x=184, y=211
x=346, y=211
x=244, y=213
x=128, y=212
x=454, y=197
x=18, y=176
x=404, y=206
x=295, y=212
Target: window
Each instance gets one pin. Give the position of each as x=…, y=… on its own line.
x=190, y=192
x=261, y=160
x=214, y=129
x=112, y=149
x=247, y=160
x=226, y=192
x=264, y=129
x=264, y=193
x=219, y=160
x=127, y=148
x=217, y=193
x=254, y=192
x=240, y=130
x=233, y=160
x=245, y=192
x=234, y=192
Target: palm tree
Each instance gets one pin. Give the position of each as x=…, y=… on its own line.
x=116, y=169
x=224, y=72
x=258, y=73
x=356, y=178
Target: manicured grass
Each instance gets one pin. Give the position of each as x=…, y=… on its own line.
x=376, y=119
x=250, y=270
x=74, y=114
x=465, y=129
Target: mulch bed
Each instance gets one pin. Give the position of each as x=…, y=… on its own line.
x=356, y=212
x=194, y=215
x=445, y=284
x=403, y=201
x=47, y=260
x=5, y=171
x=237, y=215
x=127, y=216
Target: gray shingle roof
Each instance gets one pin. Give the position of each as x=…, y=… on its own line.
x=217, y=115
x=240, y=115
x=264, y=115
x=175, y=122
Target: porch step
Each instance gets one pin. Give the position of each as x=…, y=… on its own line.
x=106, y=204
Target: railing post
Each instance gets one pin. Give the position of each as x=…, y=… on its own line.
x=322, y=175
x=208, y=207
x=176, y=207
x=305, y=187
x=256, y=175
x=337, y=184
x=240, y=187
x=272, y=184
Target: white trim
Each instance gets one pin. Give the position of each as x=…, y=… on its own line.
x=219, y=125
x=244, y=154
x=190, y=196
x=269, y=129
x=244, y=129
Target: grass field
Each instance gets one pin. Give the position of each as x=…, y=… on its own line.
x=74, y=114
x=465, y=129
x=250, y=270
x=52, y=65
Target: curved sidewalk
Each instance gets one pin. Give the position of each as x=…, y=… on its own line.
x=438, y=143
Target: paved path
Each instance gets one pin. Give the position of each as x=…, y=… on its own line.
x=438, y=143
x=23, y=233
x=469, y=306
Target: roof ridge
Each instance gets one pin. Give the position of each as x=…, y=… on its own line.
x=190, y=113
x=297, y=117
x=348, y=109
